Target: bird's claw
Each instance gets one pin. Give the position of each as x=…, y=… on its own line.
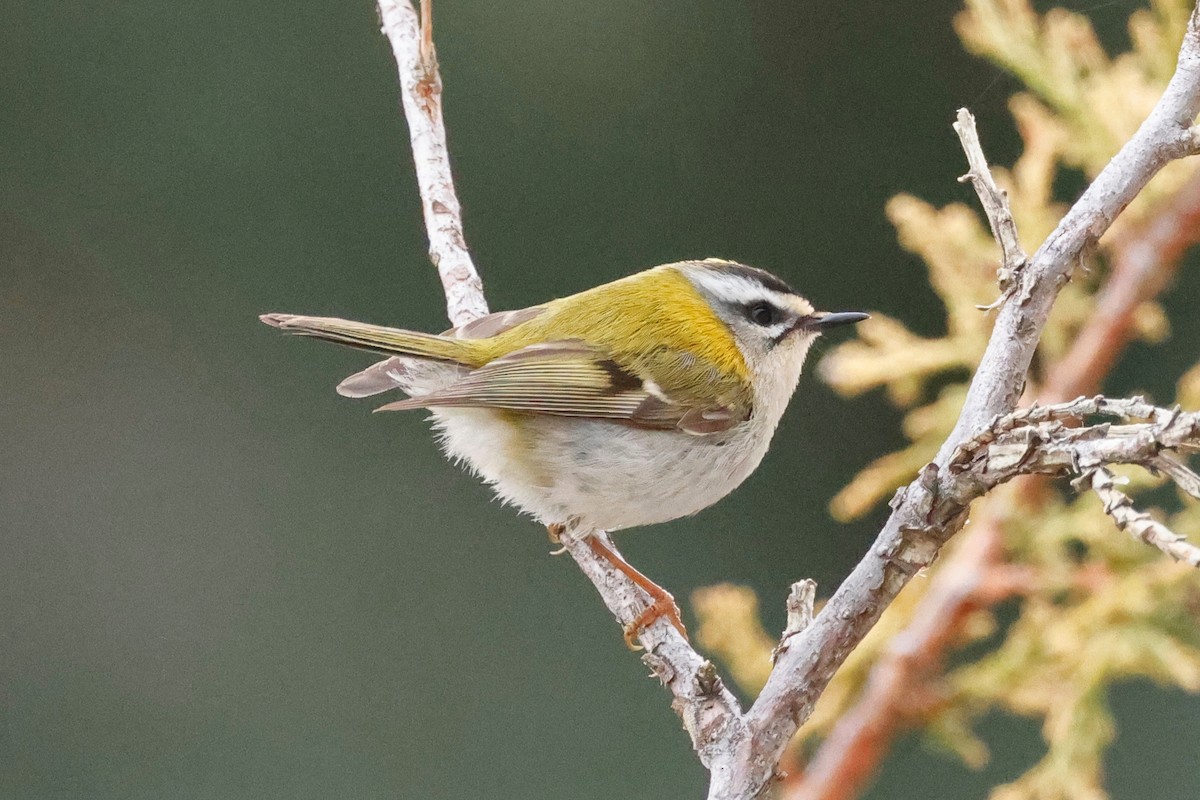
x=663, y=606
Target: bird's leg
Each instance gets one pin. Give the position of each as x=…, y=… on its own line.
x=662, y=604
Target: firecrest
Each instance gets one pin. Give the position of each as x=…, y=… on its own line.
x=639, y=401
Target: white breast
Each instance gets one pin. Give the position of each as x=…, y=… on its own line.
x=611, y=476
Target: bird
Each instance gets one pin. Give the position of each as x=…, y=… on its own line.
x=632, y=403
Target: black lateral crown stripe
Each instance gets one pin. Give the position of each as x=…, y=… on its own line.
x=753, y=273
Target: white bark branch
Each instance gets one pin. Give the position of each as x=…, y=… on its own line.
x=1034, y=441
x=800, y=602
x=995, y=205
x=710, y=712
x=421, y=94
x=920, y=523
x=1140, y=524
x=742, y=750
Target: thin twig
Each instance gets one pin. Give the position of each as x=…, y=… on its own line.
x=1180, y=473
x=1141, y=525
x=995, y=206
x=1035, y=441
x=1027, y=442
x=710, y=712
x=850, y=754
x=421, y=95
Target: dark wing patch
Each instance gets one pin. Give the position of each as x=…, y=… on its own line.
x=621, y=379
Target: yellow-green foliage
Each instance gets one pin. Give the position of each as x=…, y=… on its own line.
x=1099, y=608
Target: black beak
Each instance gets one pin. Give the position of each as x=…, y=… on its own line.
x=823, y=321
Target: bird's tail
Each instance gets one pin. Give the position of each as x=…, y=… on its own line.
x=392, y=341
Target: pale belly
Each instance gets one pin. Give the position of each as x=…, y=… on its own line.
x=609, y=475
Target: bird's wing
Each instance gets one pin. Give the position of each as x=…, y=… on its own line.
x=494, y=324
x=395, y=372
x=573, y=379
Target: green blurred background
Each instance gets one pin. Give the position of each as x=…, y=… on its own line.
x=221, y=580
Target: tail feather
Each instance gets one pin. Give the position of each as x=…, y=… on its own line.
x=413, y=376
x=391, y=341
x=382, y=376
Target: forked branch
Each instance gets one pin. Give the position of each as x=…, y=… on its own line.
x=742, y=749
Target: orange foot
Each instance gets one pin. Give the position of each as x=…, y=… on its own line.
x=662, y=604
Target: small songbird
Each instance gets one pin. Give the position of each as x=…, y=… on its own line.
x=639, y=401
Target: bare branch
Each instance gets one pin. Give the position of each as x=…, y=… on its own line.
x=1184, y=477
x=421, y=94
x=1140, y=524
x=742, y=750
x=1034, y=441
x=1143, y=262
x=711, y=714
x=800, y=602
x=852, y=751
x=995, y=205
x=997, y=384
x=1027, y=442
x=921, y=520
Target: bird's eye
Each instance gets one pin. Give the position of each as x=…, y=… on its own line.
x=763, y=314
